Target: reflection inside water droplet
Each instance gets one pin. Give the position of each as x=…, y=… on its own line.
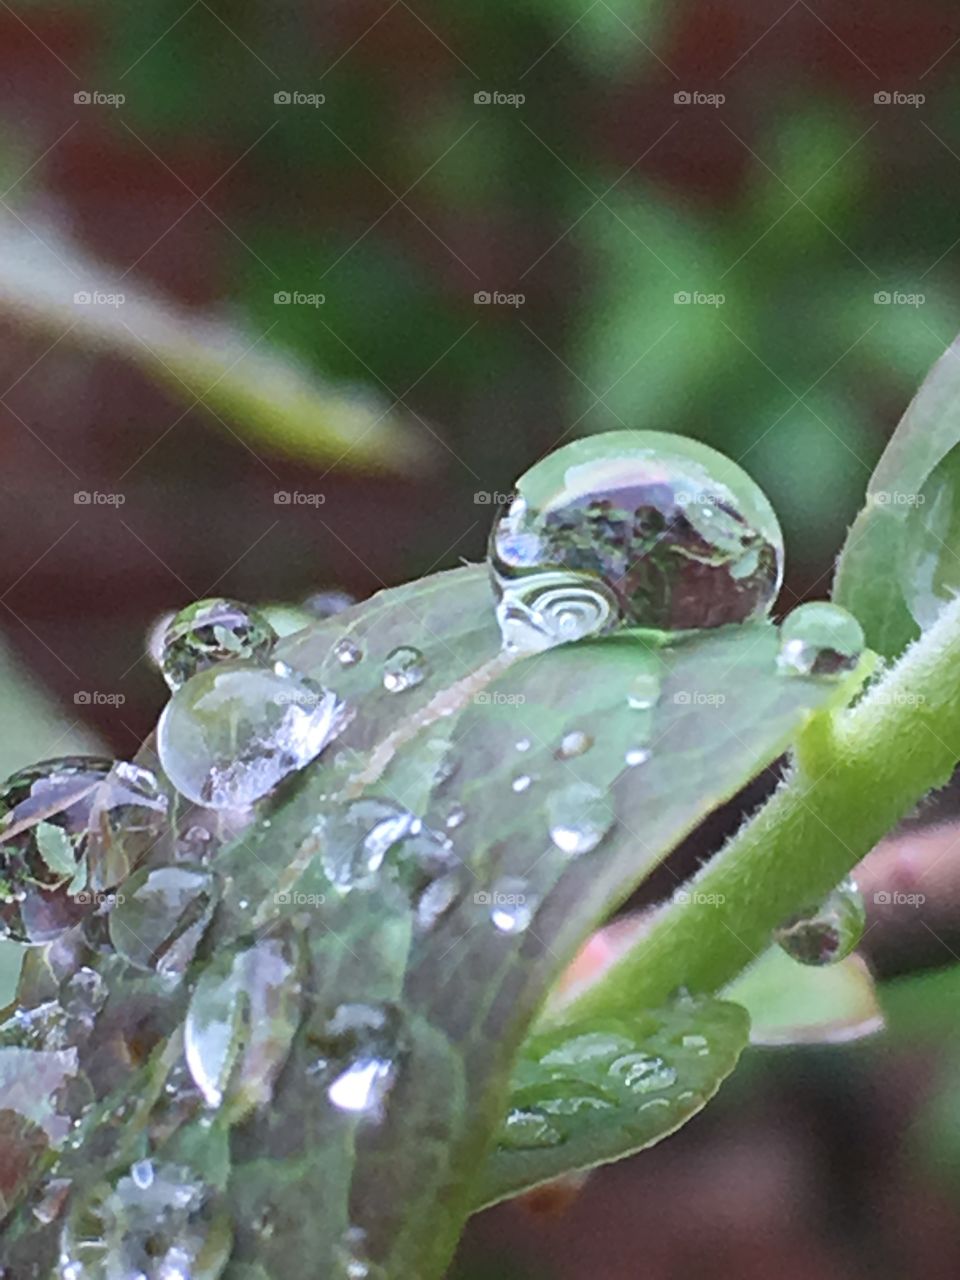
x=829, y=933
x=213, y=631
x=347, y=652
x=404, y=668
x=579, y=817
x=820, y=639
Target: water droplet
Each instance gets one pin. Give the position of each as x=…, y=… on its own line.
x=512, y=904
x=820, y=639
x=579, y=816
x=524, y=744
x=828, y=933
x=234, y=732
x=575, y=743
x=456, y=816
x=526, y=1129
x=436, y=900
x=50, y=1205
x=353, y=1258
x=142, y=1174
x=521, y=783
x=356, y=840
x=928, y=570
x=155, y=638
x=360, y=1051
x=213, y=631
x=589, y=1047
x=643, y=1072
x=240, y=1024
x=644, y=692
x=403, y=669
x=347, y=652
x=172, y=1227
x=327, y=604
x=66, y=824
x=637, y=755
x=161, y=917
x=632, y=529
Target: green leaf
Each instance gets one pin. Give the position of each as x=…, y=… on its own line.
x=900, y=556
x=267, y=395
x=56, y=849
x=791, y=1003
x=598, y=1090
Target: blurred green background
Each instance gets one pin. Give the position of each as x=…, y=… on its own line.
x=728, y=219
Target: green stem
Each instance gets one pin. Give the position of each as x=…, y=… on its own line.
x=855, y=774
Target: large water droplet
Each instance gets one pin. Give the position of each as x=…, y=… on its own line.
x=66, y=824
x=643, y=1072
x=929, y=572
x=404, y=669
x=213, y=631
x=573, y=744
x=161, y=917
x=511, y=902
x=635, y=529
x=579, y=816
x=242, y=1018
x=359, y=1056
x=527, y=1129
x=234, y=732
x=828, y=933
x=347, y=652
x=169, y=1226
x=820, y=639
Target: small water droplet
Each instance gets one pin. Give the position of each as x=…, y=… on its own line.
x=575, y=743
x=644, y=692
x=521, y=783
x=527, y=1129
x=826, y=934
x=579, y=816
x=820, y=639
x=632, y=528
x=161, y=917
x=637, y=755
x=53, y=1198
x=643, y=1072
x=234, y=732
x=213, y=631
x=591, y=1046
x=353, y=1258
x=347, y=652
x=456, y=816
x=512, y=904
x=142, y=1174
x=404, y=668
x=360, y=1051
x=523, y=744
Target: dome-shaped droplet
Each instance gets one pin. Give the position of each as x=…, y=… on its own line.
x=644, y=691
x=404, y=668
x=360, y=1052
x=234, y=732
x=212, y=631
x=165, y=1226
x=643, y=1072
x=820, y=639
x=828, y=933
x=636, y=529
x=573, y=744
x=579, y=816
x=526, y=1129
x=357, y=838
x=511, y=902
x=161, y=917
x=347, y=652
x=69, y=827
x=636, y=755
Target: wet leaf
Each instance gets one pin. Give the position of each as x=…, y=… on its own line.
x=56, y=849
x=591, y=1092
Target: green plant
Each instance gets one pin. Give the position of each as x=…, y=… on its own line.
x=294, y=1016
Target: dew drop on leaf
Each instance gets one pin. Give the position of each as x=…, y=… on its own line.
x=212, y=631
x=168, y=1226
x=573, y=744
x=512, y=904
x=359, y=1057
x=456, y=816
x=829, y=933
x=521, y=783
x=579, y=816
x=403, y=668
x=636, y=755
x=234, y=732
x=637, y=529
x=820, y=639
x=644, y=692
x=161, y=917
x=347, y=652
x=522, y=744
x=527, y=1128
x=643, y=1073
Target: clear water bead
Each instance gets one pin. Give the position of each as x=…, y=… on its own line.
x=213, y=631
x=512, y=904
x=234, y=732
x=632, y=528
x=820, y=639
x=828, y=933
x=579, y=817
x=404, y=668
